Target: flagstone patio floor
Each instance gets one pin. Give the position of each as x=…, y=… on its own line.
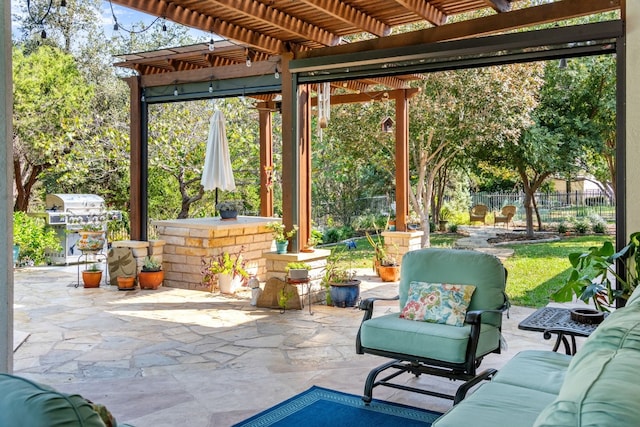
x=178, y=357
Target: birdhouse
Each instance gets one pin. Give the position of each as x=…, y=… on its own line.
x=387, y=125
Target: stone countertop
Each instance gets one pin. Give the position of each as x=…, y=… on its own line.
x=216, y=222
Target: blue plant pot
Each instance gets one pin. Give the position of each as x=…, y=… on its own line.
x=345, y=294
x=281, y=247
x=228, y=214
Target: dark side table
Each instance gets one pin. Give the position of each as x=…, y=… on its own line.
x=557, y=321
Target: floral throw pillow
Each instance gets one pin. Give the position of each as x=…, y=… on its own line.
x=437, y=303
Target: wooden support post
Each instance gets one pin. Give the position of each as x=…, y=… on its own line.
x=266, y=159
x=138, y=165
x=402, y=160
x=304, y=162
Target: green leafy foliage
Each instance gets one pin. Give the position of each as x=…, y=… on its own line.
x=33, y=238
x=594, y=274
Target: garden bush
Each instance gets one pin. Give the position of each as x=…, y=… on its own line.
x=33, y=238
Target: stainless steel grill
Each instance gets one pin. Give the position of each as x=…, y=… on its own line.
x=66, y=214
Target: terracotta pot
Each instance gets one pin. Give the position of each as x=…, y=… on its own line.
x=389, y=273
x=150, y=279
x=376, y=266
x=91, y=279
x=126, y=283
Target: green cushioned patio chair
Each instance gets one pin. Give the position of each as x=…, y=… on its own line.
x=426, y=347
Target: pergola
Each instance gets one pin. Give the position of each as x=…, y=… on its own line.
x=293, y=45
x=303, y=39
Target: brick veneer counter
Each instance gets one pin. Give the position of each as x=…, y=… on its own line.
x=190, y=240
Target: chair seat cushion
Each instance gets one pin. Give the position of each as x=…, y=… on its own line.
x=536, y=369
x=495, y=404
x=423, y=339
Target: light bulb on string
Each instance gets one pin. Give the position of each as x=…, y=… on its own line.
x=246, y=54
x=212, y=45
x=210, y=87
x=164, y=26
x=175, y=91
x=63, y=3
x=116, y=27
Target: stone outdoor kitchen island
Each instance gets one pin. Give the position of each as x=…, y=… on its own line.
x=188, y=241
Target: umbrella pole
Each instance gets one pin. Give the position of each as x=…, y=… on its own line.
x=215, y=207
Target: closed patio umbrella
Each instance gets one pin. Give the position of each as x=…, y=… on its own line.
x=217, y=172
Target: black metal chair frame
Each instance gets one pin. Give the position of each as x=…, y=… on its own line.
x=419, y=365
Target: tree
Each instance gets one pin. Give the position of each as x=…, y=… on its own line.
x=573, y=120
x=459, y=115
x=51, y=114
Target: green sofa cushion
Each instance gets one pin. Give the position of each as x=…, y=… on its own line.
x=429, y=340
x=602, y=385
x=25, y=403
x=494, y=404
x=535, y=369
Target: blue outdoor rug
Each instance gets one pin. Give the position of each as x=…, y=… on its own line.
x=321, y=407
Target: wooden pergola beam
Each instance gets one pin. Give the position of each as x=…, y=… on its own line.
x=350, y=15
x=547, y=13
x=424, y=9
x=190, y=18
x=273, y=17
x=206, y=74
x=379, y=95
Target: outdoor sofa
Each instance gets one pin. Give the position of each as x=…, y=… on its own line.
x=26, y=403
x=599, y=386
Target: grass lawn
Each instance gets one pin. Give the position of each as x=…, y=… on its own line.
x=535, y=270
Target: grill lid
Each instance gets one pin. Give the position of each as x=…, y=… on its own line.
x=75, y=203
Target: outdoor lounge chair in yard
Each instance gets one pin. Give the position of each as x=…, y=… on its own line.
x=478, y=213
x=435, y=284
x=505, y=216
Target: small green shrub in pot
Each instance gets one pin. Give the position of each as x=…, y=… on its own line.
x=581, y=226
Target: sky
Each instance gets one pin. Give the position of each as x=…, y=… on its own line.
x=126, y=17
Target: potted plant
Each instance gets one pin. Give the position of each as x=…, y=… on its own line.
x=151, y=276
x=343, y=287
x=126, y=283
x=379, y=251
x=389, y=269
x=594, y=275
x=281, y=236
x=314, y=239
x=228, y=210
x=227, y=269
x=298, y=271
x=92, y=237
x=92, y=276
x=443, y=219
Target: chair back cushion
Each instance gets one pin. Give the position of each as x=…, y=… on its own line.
x=460, y=267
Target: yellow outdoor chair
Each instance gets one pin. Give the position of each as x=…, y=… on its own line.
x=478, y=213
x=506, y=215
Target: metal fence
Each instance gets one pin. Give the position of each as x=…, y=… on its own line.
x=553, y=207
